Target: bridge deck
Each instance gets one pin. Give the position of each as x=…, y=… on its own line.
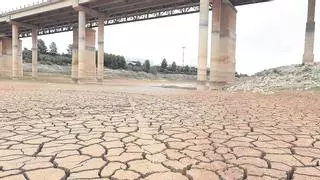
x=59, y=16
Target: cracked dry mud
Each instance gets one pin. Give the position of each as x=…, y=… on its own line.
x=94, y=133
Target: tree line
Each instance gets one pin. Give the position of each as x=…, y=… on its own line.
x=47, y=55
x=51, y=56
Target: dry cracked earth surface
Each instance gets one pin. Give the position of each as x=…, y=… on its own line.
x=102, y=132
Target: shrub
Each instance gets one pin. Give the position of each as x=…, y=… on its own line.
x=27, y=55
x=54, y=59
x=114, y=62
x=146, y=66
x=174, y=67
x=164, y=64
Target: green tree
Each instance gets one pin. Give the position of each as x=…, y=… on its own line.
x=53, y=48
x=164, y=64
x=54, y=59
x=69, y=50
x=27, y=55
x=122, y=62
x=42, y=48
x=186, y=69
x=114, y=62
x=146, y=66
x=174, y=67
x=138, y=64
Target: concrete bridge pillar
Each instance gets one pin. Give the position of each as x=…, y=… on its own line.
x=86, y=51
x=223, y=38
x=100, y=72
x=203, y=43
x=90, y=67
x=74, y=68
x=1, y=58
x=308, y=57
x=81, y=45
x=5, y=57
x=34, y=53
x=17, y=69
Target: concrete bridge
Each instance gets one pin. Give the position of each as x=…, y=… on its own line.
x=80, y=16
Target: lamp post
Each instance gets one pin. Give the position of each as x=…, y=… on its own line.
x=183, y=48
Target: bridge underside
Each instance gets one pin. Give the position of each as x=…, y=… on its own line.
x=63, y=17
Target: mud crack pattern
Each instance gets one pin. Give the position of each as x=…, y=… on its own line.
x=85, y=134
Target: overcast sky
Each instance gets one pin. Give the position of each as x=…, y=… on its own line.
x=268, y=35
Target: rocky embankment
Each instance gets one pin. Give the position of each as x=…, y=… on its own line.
x=297, y=77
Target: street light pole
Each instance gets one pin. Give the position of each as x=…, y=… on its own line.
x=183, y=48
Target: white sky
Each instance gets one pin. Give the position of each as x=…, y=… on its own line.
x=268, y=35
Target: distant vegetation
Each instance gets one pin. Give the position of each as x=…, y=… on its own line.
x=163, y=68
x=50, y=56
x=46, y=56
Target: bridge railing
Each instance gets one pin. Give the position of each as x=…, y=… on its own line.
x=122, y=18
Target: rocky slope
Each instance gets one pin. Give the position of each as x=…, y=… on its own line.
x=296, y=77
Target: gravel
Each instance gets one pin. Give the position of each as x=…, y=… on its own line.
x=298, y=77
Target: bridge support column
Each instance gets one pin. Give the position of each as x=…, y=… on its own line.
x=6, y=57
x=34, y=53
x=86, y=51
x=308, y=57
x=17, y=70
x=1, y=59
x=203, y=43
x=81, y=45
x=74, y=68
x=100, y=72
x=90, y=65
x=222, y=69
